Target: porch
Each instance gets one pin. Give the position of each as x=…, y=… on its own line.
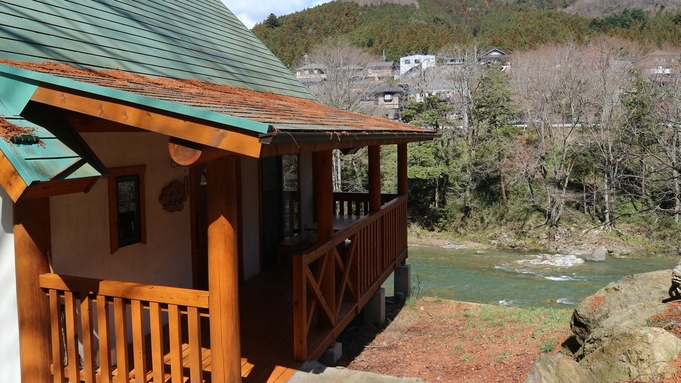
x=114, y=329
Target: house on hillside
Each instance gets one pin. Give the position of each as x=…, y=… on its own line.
x=660, y=64
x=416, y=64
x=311, y=73
x=386, y=101
x=497, y=57
x=166, y=198
x=381, y=70
x=594, y=57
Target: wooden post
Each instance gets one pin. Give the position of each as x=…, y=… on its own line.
x=402, y=169
x=374, y=178
x=324, y=193
x=32, y=243
x=223, y=270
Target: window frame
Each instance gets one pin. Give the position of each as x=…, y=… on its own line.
x=125, y=173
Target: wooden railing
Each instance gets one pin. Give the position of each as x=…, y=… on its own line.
x=163, y=342
x=355, y=203
x=333, y=281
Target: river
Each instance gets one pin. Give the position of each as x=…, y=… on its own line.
x=518, y=279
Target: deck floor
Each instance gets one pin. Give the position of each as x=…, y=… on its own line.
x=266, y=302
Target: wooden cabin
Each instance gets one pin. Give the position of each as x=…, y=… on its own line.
x=167, y=205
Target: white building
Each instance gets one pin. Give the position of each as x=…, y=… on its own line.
x=416, y=63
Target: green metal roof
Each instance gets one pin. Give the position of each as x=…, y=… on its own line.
x=51, y=152
x=184, y=39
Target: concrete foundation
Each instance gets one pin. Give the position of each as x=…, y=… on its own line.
x=403, y=280
x=374, y=311
x=332, y=355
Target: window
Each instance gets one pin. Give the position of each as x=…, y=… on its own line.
x=127, y=222
x=387, y=97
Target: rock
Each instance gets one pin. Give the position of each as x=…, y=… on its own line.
x=641, y=354
x=674, y=290
x=597, y=255
x=629, y=302
x=558, y=369
x=315, y=372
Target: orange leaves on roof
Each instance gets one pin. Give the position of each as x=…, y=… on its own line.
x=9, y=130
x=281, y=112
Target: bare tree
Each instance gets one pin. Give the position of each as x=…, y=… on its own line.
x=457, y=84
x=667, y=156
x=607, y=65
x=550, y=88
x=339, y=79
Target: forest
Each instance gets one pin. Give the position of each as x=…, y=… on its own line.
x=582, y=130
x=398, y=30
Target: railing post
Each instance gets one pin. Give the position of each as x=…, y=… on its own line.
x=299, y=310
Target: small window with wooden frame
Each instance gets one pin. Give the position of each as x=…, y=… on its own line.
x=127, y=213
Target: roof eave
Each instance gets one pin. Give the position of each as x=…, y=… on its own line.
x=292, y=142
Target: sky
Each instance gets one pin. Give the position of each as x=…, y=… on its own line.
x=257, y=11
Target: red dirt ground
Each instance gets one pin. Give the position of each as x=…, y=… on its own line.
x=447, y=341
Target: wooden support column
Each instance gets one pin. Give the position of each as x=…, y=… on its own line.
x=402, y=169
x=32, y=243
x=323, y=179
x=374, y=178
x=223, y=269
x=323, y=162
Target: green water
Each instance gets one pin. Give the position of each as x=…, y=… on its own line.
x=518, y=279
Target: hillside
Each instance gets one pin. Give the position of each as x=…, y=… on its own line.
x=400, y=27
x=601, y=8
x=377, y=2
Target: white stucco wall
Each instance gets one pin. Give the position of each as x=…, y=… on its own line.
x=10, y=367
x=80, y=222
x=250, y=221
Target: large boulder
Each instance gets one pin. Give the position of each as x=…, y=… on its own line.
x=629, y=302
x=642, y=354
x=558, y=369
x=598, y=255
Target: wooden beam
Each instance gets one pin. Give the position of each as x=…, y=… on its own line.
x=126, y=290
x=91, y=124
x=374, y=178
x=402, y=169
x=10, y=179
x=52, y=188
x=32, y=246
x=223, y=274
x=269, y=150
x=187, y=153
x=149, y=119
